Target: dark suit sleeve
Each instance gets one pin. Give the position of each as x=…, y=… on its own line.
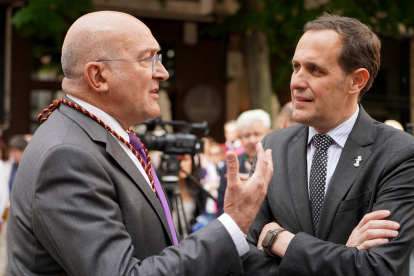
x=77, y=219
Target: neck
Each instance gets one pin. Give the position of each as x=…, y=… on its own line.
x=250, y=158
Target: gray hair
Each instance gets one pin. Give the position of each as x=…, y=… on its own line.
x=247, y=118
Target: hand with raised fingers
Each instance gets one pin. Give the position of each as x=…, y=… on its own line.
x=373, y=230
x=243, y=199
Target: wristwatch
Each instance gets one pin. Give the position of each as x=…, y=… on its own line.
x=269, y=239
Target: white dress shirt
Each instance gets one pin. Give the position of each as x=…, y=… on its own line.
x=225, y=219
x=339, y=135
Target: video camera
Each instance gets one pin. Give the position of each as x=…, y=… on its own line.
x=174, y=146
x=174, y=143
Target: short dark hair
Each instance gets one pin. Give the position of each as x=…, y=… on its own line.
x=361, y=46
x=18, y=142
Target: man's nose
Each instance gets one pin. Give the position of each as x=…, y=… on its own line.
x=160, y=73
x=253, y=140
x=298, y=80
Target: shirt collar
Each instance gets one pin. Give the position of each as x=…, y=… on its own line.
x=340, y=133
x=109, y=120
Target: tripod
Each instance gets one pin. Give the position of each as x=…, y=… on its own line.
x=170, y=167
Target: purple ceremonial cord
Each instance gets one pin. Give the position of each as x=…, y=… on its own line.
x=136, y=143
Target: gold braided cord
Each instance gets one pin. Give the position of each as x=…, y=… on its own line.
x=147, y=168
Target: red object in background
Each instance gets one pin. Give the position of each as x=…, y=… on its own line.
x=237, y=150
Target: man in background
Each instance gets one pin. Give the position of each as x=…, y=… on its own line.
x=233, y=141
x=17, y=145
x=285, y=116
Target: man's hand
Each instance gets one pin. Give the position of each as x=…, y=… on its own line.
x=244, y=198
x=373, y=230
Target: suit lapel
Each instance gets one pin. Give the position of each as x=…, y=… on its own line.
x=345, y=171
x=100, y=134
x=297, y=169
x=114, y=149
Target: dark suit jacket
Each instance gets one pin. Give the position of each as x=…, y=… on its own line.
x=384, y=180
x=80, y=206
x=223, y=183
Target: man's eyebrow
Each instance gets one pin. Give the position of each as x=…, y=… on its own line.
x=318, y=65
x=152, y=49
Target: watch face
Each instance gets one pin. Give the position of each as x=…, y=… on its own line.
x=267, y=239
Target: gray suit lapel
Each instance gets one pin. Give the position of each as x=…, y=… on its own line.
x=345, y=172
x=298, y=180
x=99, y=134
x=113, y=148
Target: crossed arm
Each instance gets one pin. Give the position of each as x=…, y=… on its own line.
x=389, y=243
x=372, y=230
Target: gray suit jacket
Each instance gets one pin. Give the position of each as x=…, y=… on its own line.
x=384, y=180
x=81, y=207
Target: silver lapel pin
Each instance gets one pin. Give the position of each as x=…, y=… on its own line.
x=359, y=159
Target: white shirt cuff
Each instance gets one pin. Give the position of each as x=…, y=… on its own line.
x=235, y=233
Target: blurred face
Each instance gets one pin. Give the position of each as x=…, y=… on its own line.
x=231, y=133
x=206, y=145
x=319, y=87
x=216, y=154
x=252, y=135
x=185, y=165
x=16, y=154
x=132, y=85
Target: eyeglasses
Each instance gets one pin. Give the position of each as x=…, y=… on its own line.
x=154, y=60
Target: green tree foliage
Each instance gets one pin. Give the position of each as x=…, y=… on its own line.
x=46, y=23
x=49, y=19
x=283, y=20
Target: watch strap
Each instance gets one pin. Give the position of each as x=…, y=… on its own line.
x=266, y=249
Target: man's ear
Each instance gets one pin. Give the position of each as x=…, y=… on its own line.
x=360, y=78
x=95, y=74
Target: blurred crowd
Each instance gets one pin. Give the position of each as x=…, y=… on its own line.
x=10, y=155
x=197, y=208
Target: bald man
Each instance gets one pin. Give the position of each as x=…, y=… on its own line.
x=285, y=116
x=85, y=199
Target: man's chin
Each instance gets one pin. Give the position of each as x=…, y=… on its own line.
x=154, y=113
x=250, y=155
x=302, y=118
